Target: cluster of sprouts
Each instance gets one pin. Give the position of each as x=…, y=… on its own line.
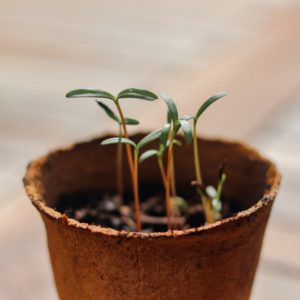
x=209, y=196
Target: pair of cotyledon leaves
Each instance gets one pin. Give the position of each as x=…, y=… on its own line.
x=159, y=133
x=143, y=142
x=128, y=93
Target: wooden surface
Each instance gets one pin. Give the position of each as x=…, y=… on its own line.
x=187, y=49
x=279, y=273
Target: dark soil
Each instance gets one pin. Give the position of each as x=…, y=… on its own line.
x=109, y=210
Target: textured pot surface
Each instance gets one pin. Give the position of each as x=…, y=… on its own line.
x=216, y=261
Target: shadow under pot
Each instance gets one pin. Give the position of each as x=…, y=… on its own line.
x=216, y=261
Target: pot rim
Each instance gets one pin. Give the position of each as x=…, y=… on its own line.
x=31, y=182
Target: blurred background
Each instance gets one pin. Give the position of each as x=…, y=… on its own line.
x=188, y=49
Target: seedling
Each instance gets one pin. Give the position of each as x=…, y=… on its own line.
x=167, y=140
x=173, y=203
x=207, y=199
x=127, y=93
x=119, y=157
x=210, y=196
x=146, y=140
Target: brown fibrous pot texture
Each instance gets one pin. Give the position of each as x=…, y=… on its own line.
x=216, y=261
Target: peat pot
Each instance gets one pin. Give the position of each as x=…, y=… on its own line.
x=215, y=261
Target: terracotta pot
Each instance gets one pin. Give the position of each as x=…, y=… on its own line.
x=216, y=261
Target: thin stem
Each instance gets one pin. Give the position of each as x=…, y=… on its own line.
x=173, y=181
x=162, y=170
x=133, y=171
x=136, y=192
x=220, y=186
x=204, y=199
x=196, y=154
x=125, y=132
x=169, y=173
x=167, y=189
x=119, y=165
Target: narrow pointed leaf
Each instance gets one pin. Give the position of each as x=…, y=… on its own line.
x=165, y=134
x=130, y=121
x=108, y=111
x=173, y=113
x=177, y=126
x=117, y=140
x=147, y=155
x=187, y=131
x=207, y=103
x=169, y=117
x=178, y=202
x=137, y=93
x=177, y=142
x=112, y=115
x=186, y=117
x=80, y=93
x=211, y=191
x=222, y=168
x=220, y=186
x=149, y=138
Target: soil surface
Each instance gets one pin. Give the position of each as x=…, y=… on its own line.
x=109, y=210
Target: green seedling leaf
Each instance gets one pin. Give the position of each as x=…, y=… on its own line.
x=187, y=131
x=207, y=103
x=221, y=185
x=177, y=126
x=177, y=142
x=112, y=115
x=165, y=134
x=221, y=181
x=223, y=178
x=217, y=207
x=137, y=93
x=186, y=117
x=211, y=191
x=173, y=113
x=108, y=111
x=117, y=140
x=148, y=154
x=221, y=169
x=80, y=93
x=149, y=138
x=169, y=117
x=130, y=121
x=179, y=202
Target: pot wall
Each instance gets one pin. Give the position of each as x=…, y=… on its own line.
x=210, y=262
